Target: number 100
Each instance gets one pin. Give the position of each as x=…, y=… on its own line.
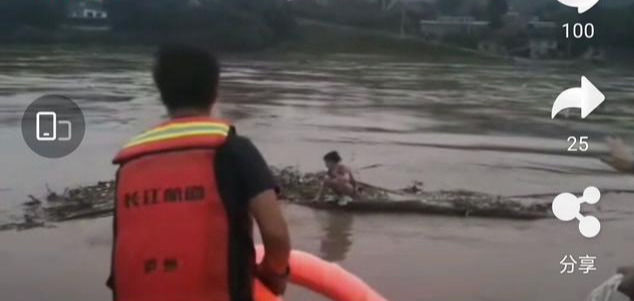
x=579, y=31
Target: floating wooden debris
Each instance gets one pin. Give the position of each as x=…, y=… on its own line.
x=299, y=188
x=77, y=203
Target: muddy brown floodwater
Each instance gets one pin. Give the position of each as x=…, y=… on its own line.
x=452, y=125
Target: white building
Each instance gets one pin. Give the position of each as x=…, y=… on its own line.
x=87, y=10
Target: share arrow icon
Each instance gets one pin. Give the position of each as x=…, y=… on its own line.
x=581, y=5
x=587, y=98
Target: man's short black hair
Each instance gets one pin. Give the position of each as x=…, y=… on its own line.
x=186, y=76
x=332, y=156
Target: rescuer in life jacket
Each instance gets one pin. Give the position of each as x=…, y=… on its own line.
x=187, y=192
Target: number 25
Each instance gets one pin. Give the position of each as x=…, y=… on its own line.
x=582, y=146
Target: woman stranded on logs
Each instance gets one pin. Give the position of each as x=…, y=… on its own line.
x=339, y=180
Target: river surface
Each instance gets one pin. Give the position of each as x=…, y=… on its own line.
x=451, y=123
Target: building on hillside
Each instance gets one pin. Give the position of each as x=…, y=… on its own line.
x=87, y=10
x=520, y=36
x=543, y=41
x=87, y=15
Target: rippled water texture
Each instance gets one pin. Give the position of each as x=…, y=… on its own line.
x=452, y=125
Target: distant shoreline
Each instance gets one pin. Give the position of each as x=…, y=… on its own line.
x=75, y=35
x=310, y=37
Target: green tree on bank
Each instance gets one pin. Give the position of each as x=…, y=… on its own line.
x=377, y=15
x=31, y=13
x=231, y=24
x=225, y=23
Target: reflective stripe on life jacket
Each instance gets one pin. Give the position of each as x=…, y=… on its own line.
x=177, y=134
x=172, y=239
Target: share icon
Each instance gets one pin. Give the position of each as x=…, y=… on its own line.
x=567, y=207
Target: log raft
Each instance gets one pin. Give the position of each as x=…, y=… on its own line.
x=301, y=189
x=297, y=188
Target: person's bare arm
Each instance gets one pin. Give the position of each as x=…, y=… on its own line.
x=320, y=192
x=627, y=284
x=275, y=237
x=621, y=157
x=353, y=181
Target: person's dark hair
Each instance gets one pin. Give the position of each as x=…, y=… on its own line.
x=332, y=156
x=186, y=76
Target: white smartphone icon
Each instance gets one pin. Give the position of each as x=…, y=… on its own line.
x=46, y=126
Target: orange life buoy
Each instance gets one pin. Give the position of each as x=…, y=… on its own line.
x=261, y=293
x=325, y=278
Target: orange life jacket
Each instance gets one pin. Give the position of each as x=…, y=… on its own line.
x=172, y=229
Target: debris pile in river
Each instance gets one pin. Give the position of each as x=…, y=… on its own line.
x=77, y=203
x=299, y=188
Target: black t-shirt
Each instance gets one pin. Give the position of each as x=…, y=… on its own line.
x=241, y=174
x=241, y=171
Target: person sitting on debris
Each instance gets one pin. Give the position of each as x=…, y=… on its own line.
x=339, y=179
x=621, y=157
